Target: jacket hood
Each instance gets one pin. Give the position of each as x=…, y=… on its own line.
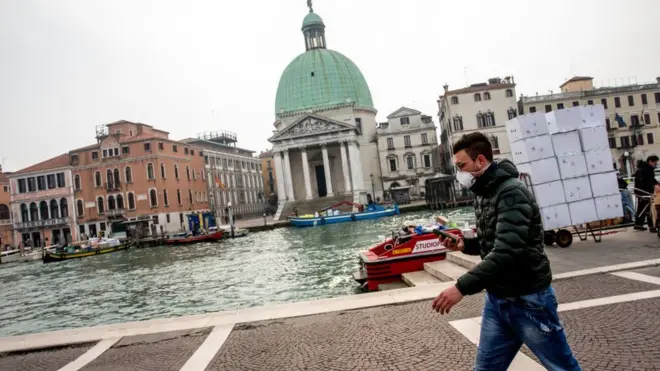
x=497, y=172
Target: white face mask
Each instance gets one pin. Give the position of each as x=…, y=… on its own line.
x=465, y=179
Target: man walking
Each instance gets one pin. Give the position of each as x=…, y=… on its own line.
x=520, y=307
x=644, y=186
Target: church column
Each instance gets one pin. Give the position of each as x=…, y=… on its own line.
x=305, y=165
x=289, y=179
x=348, y=188
x=279, y=175
x=326, y=167
x=356, y=166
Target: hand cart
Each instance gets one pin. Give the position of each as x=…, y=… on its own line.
x=563, y=237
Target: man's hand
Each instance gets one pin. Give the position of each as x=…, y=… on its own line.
x=446, y=300
x=459, y=245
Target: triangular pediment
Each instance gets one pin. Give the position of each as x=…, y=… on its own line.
x=404, y=112
x=311, y=125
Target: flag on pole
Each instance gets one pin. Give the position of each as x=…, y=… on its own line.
x=619, y=120
x=218, y=182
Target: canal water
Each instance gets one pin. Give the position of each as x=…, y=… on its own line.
x=282, y=265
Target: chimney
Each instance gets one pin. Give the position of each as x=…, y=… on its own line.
x=446, y=87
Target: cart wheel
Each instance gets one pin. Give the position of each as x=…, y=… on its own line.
x=549, y=237
x=564, y=238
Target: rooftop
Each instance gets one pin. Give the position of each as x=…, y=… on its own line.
x=576, y=78
x=53, y=163
x=590, y=93
x=476, y=88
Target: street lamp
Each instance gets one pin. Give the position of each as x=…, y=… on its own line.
x=626, y=162
x=231, y=218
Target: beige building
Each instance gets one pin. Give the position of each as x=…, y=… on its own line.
x=405, y=145
x=632, y=111
x=484, y=107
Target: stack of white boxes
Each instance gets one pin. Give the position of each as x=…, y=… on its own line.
x=567, y=157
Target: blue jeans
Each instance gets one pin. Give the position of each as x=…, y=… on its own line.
x=532, y=320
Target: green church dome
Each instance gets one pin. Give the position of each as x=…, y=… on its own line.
x=320, y=78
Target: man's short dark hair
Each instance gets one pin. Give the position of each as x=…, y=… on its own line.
x=652, y=158
x=474, y=144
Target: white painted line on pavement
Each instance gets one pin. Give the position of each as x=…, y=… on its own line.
x=609, y=300
x=470, y=328
x=638, y=277
x=608, y=269
x=205, y=353
x=90, y=355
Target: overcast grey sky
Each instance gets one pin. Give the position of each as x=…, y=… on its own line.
x=191, y=66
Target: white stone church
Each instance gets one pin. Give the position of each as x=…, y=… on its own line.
x=324, y=145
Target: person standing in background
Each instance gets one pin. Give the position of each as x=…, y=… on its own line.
x=645, y=184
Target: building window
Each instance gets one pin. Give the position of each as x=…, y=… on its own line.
x=625, y=142
x=176, y=171
x=406, y=141
x=634, y=121
x=480, y=120
x=426, y=160
x=548, y=108
x=509, y=93
x=185, y=151
x=358, y=125
x=95, y=155
x=649, y=138
x=560, y=105
x=511, y=113
x=116, y=177
x=644, y=99
x=590, y=102
x=166, y=200
x=153, y=198
x=25, y=216
x=477, y=97
x=76, y=182
x=194, y=174
x=532, y=109
x=612, y=142
x=425, y=138
x=178, y=197
x=657, y=97
x=647, y=119
x=188, y=172
x=100, y=207
x=155, y=219
x=495, y=143
x=54, y=209
x=454, y=100
x=410, y=161
x=21, y=186
x=41, y=182
x=43, y=210
x=576, y=103
x=392, y=162
x=129, y=174
x=617, y=102
x=61, y=183
x=631, y=101
x=404, y=121
x=131, y=201
x=640, y=139
x=167, y=217
x=109, y=179
x=603, y=101
x=174, y=148
x=190, y=196
x=162, y=170
x=111, y=203
x=80, y=208
x=32, y=184
x=147, y=147
x=486, y=96
x=64, y=208
x=125, y=150
x=607, y=124
x=490, y=118
x=150, y=171
x=120, y=201
x=50, y=180
x=97, y=179
x=161, y=146
x=458, y=123
x=34, y=212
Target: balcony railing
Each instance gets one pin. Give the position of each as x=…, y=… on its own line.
x=43, y=223
x=5, y=221
x=113, y=186
x=115, y=212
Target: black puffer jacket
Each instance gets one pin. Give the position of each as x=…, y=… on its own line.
x=509, y=237
x=645, y=179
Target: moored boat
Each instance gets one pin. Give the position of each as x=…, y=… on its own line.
x=184, y=238
x=405, y=251
x=83, y=250
x=333, y=216
x=226, y=231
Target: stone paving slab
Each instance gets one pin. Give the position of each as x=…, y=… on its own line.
x=653, y=271
x=597, y=286
x=624, y=336
x=618, y=248
x=44, y=360
x=157, y=352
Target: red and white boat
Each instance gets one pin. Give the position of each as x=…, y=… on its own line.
x=404, y=252
x=184, y=238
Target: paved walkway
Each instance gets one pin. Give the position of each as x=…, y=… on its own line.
x=611, y=315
